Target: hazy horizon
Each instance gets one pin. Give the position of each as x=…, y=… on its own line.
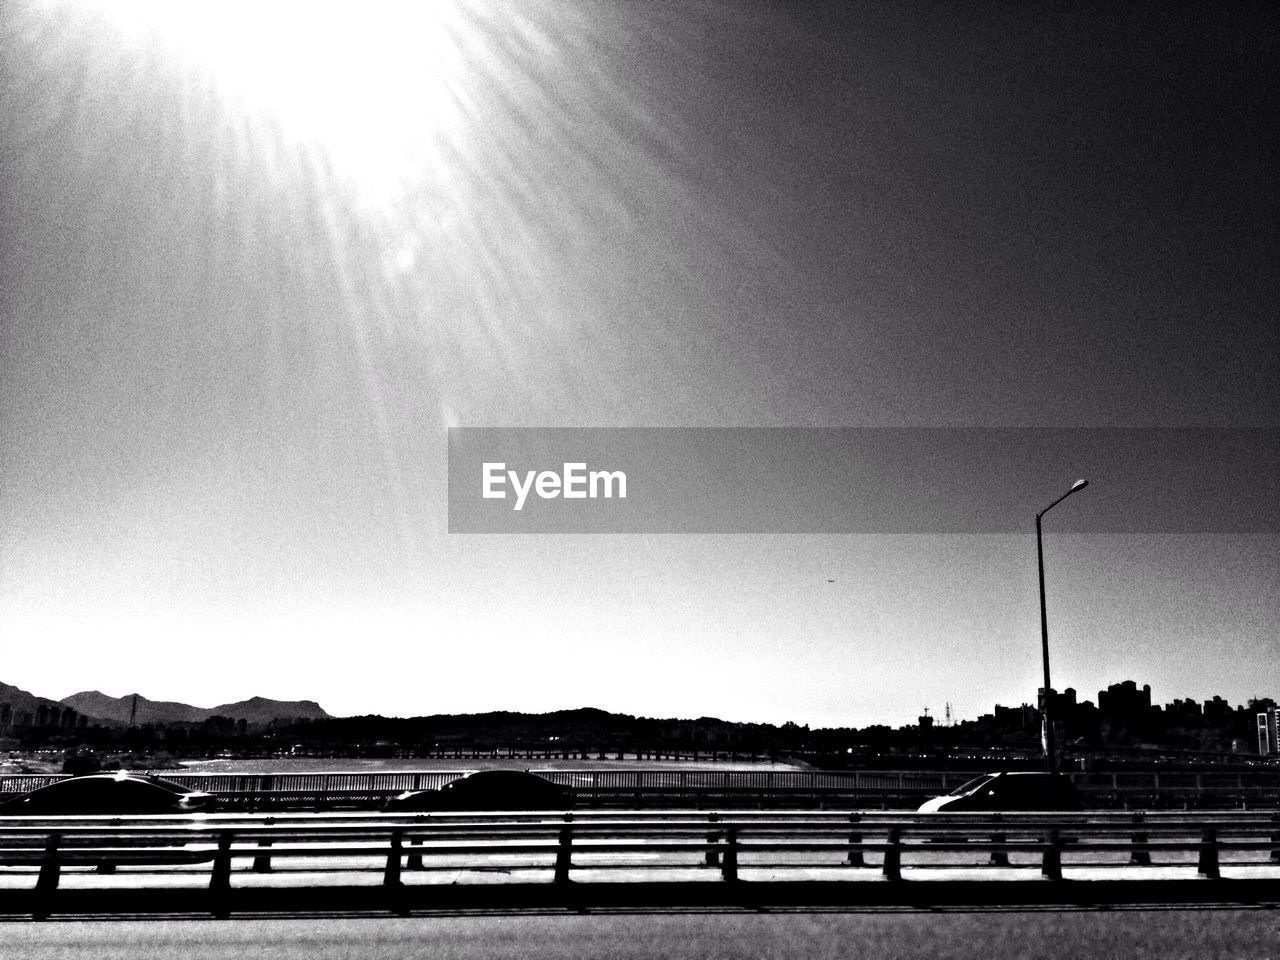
x=1082, y=696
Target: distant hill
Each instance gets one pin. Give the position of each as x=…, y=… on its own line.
x=21, y=701
x=96, y=704
x=255, y=710
x=585, y=726
x=263, y=709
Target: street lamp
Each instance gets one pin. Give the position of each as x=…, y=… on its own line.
x=1046, y=723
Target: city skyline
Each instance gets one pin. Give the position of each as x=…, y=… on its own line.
x=255, y=267
x=23, y=708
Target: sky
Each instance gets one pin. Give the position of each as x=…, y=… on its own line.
x=257, y=259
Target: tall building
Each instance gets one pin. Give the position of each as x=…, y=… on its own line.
x=1125, y=698
x=1268, y=742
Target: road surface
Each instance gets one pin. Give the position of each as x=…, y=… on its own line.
x=1168, y=935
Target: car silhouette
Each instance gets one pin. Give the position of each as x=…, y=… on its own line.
x=994, y=792
x=488, y=790
x=108, y=793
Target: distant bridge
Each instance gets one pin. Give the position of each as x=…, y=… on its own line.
x=707, y=789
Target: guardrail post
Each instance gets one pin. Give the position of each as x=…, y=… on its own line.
x=729, y=865
x=414, y=860
x=262, y=862
x=47, y=882
x=713, y=838
x=1051, y=866
x=1208, y=865
x=107, y=867
x=391, y=875
x=1140, y=856
x=220, y=879
x=855, y=844
x=999, y=857
x=564, y=853
x=892, y=867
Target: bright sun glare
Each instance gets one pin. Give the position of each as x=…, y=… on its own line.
x=374, y=86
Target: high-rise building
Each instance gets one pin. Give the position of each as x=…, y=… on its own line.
x=1125, y=698
x=1268, y=742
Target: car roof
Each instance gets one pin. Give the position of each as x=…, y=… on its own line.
x=504, y=774
x=1024, y=773
x=125, y=776
x=489, y=776
x=114, y=775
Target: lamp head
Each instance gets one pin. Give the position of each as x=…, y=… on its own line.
x=1078, y=485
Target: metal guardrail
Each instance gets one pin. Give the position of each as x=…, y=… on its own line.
x=552, y=850
x=710, y=788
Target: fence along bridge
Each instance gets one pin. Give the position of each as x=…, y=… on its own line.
x=224, y=864
x=705, y=788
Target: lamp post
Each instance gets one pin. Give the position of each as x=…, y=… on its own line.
x=1046, y=722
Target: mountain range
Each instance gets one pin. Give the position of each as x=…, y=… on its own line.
x=21, y=701
x=255, y=710
x=99, y=706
